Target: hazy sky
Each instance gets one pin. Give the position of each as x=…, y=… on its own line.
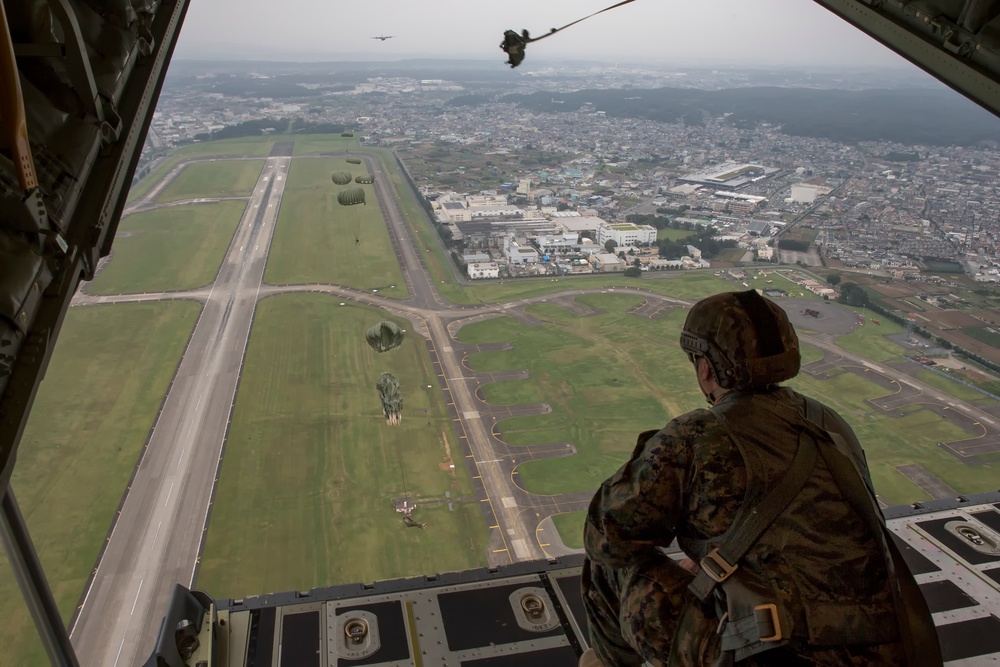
x=685, y=32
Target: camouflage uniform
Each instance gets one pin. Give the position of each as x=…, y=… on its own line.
x=688, y=481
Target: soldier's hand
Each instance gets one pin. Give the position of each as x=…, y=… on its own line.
x=689, y=565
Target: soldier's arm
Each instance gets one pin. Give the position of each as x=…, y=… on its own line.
x=637, y=509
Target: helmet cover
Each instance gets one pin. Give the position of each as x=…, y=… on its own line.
x=746, y=339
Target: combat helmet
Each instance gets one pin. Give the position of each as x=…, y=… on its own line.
x=746, y=339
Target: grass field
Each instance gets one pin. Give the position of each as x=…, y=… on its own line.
x=174, y=248
x=956, y=389
x=607, y=377
x=82, y=443
x=674, y=234
x=242, y=147
x=890, y=441
x=570, y=527
x=311, y=144
x=314, y=241
x=219, y=178
x=870, y=340
x=311, y=468
x=730, y=255
x=981, y=334
x=683, y=285
x=610, y=376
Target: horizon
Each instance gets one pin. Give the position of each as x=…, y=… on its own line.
x=768, y=32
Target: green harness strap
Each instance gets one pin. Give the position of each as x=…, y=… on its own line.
x=916, y=627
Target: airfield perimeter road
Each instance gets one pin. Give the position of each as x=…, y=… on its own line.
x=158, y=534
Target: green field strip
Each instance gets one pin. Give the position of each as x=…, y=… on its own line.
x=982, y=335
x=870, y=340
x=952, y=387
x=809, y=353
x=218, y=178
x=242, y=147
x=686, y=285
x=674, y=234
x=570, y=527
x=315, y=237
x=606, y=376
x=313, y=144
x=311, y=468
x=169, y=249
x=82, y=443
x=511, y=393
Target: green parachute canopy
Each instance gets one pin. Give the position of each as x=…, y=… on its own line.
x=347, y=134
x=391, y=397
x=384, y=336
x=366, y=179
x=341, y=177
x=354, y=160
x=351, y=196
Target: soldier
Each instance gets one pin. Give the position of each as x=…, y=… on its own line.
x=768, y=494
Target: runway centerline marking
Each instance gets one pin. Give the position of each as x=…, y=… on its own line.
x=117, y=657
x=135, y=601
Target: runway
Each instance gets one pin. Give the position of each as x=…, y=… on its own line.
x=158, y=533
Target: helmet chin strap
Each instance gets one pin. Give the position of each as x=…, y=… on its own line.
x=714, y=397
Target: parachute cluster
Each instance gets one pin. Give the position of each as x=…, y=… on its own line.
x=351, y=196
x=391, y=397
x=384, y=336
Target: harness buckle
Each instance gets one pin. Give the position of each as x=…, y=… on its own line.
x=766, y=616
x=717, y=567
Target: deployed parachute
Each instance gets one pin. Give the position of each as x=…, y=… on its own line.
x=384, y=336
x=366, y=179
x=354, y=160
x=392, y=399
x=351, y=196
x=347, y=134
x=341, y=177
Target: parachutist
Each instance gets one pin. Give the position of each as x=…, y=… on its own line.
x=513, y=45
x=357, y=241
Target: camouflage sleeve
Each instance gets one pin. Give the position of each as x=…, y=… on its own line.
x=639, y=507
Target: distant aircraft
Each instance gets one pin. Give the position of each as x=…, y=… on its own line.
x=384, y=37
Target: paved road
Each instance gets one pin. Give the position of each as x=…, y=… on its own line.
x=158, y=534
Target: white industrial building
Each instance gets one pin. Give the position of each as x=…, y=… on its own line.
x=559, y=244
x=519, y=254
x=626, y=233
x=482, y=270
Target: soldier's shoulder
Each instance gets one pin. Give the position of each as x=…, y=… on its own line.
x=698, y=417
x=692, y=425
